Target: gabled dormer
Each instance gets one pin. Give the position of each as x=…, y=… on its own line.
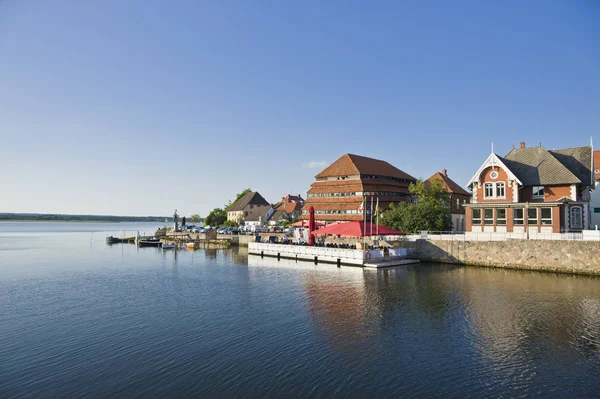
x=494, y=182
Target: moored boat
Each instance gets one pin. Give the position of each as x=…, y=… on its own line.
x=150, y=243
x=190, y=245
x=166, y=247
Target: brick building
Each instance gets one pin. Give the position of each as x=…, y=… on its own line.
x=289, y=208
x=532, y=190
x=338, y=191
x=458, y=198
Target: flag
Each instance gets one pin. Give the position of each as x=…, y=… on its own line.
x=362, y=206
x=377, y=207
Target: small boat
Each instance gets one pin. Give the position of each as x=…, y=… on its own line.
x=149, y=243
x=112, y=240
x=190, y=245
x=166, y=247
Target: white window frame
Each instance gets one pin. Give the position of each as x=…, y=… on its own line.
x=492, y=187
x=521, y=219
x=503, y=185
x=476, y=221
x=536, y=216
x=546, y=221
x=485, y=219
x=501, y=221
x=579, y=225
x=537, y=196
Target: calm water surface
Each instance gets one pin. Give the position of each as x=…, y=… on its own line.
x=81, y=318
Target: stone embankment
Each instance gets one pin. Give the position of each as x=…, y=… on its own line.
x=581, y=257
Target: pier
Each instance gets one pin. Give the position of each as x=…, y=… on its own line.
x=373, y=258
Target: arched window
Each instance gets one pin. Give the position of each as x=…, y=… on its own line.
x=576, y=218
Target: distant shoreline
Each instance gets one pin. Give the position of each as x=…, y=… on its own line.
x=76, y=221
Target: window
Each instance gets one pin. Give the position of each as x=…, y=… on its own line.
x=532, y=216
x=518, y=216
x=476, y=216
x=546, y=215
x=457, y=203
x=500, y=190
x=494, y=175
x=538, y=192
x=576, y=222
x=488, y=216
x=501, y=216
x=489, y=190
x=596, y=210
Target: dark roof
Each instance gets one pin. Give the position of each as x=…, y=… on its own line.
x=277, y=214
x=257, y=212
x=578, y=160
x=350, y=164
x=537, y=166
x=451, y=185
x=252, y=197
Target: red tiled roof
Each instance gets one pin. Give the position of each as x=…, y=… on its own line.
x=292, y=206
x=451, y=185
x=350, y=164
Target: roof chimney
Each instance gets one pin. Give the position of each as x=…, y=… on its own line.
x=522, y=144
x=444, y=172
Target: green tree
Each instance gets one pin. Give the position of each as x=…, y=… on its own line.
x=195, y=218
x=430, y=212
x=230, y=223
x=240, y=195
x=216, y=217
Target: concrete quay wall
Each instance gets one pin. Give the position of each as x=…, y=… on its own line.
x=580, y=257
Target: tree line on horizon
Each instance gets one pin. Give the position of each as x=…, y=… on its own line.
x=48, y=217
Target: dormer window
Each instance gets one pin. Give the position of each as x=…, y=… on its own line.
x=538, y=192
x=495, y=190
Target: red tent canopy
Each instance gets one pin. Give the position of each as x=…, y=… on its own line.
x=304, y=223
x=358, y=229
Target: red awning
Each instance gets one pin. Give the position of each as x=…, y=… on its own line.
x=357, y=229
x=304, y=223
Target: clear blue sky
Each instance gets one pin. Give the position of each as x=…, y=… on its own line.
x=140, y=107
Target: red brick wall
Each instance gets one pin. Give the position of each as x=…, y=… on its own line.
x=460, y=209
x=551, y=193
x=556, y=219
x=468, y=219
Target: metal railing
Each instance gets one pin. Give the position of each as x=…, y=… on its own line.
x=586, y=235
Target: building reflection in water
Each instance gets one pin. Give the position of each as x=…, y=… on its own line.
x=513, y=324
x=531, y=317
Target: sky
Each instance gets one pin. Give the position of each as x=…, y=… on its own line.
x=142, y=107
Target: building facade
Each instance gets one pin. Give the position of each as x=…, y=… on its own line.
x=532, y=190
x=339, y=190
x=458, y=198
x=246, y=207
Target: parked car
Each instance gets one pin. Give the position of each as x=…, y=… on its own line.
x=233, y=231
x=222, y=230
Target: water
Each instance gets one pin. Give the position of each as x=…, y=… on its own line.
x=82, y=318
